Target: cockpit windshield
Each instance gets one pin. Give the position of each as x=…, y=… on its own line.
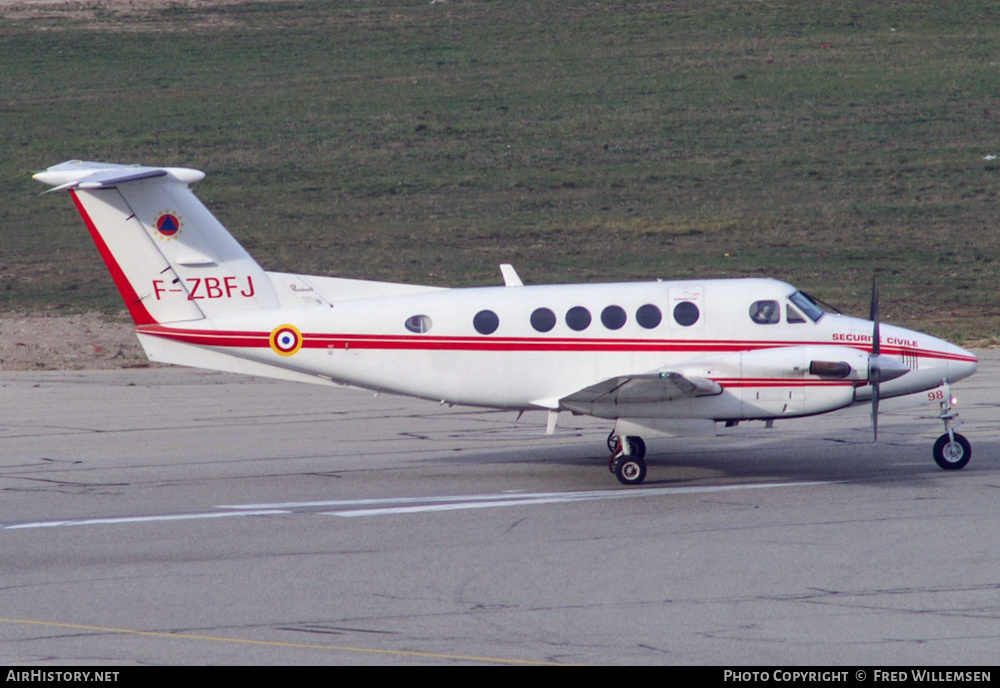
x=807, y=306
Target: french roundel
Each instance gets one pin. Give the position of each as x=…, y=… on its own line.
x=167, y=224
x=286, y=340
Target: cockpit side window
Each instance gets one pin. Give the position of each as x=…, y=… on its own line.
x=765, y=312
x=807, y=306
x=793, y=316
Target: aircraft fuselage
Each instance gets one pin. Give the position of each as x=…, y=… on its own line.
x=528, y=347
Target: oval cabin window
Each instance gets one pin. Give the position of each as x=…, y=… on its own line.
x=613, y=317
x=648, y=316
x=686, y=313
x=543, y=320
x=578, y=318
x=486, y=322
x=418, y=323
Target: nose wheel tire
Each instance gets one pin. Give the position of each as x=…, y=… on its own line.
x=952, y=455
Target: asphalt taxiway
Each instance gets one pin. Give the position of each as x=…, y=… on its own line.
x=168, y=516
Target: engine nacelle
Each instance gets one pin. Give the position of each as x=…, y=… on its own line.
x=764, y=383
x=784, y=381
x=800, y=380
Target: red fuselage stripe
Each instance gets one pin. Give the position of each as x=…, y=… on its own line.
x=246, y=339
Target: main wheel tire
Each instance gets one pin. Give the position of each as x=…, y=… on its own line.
x=637, y=447
x=952, y=456
x=631, y=470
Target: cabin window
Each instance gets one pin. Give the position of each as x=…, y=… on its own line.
x=418, y=323
x=578, y=318
x=686, y=313
x=765, y=312
x=649, y=316
x=486, y=322
x=613, y=317
x=543, y=320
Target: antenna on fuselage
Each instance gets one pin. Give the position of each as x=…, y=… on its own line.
x=510, y=276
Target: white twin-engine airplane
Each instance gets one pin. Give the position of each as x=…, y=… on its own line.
x=657, y=358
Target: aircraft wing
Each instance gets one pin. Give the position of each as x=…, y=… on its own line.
x=647, y=388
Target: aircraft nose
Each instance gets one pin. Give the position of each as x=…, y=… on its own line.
x=960, y=363
x=935, y=359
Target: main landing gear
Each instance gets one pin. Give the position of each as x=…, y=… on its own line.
x=628, y=461
x=951, y=451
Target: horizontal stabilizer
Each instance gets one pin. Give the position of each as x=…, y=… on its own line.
x=77, y=174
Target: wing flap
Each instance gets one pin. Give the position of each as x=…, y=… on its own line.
x=643, y=389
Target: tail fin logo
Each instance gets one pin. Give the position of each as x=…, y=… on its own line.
x=168, y=225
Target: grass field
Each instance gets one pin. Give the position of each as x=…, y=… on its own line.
x=583, y=141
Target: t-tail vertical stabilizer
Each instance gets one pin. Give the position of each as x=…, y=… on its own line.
x=170, y=258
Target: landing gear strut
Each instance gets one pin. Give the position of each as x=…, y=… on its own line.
x=951, y=451
x=627, y=459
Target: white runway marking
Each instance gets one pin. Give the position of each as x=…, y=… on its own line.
x=137, y=519
x=407, y=505
x=403, y=505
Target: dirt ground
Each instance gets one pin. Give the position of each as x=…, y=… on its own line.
x=98, y=13
x=75, y=342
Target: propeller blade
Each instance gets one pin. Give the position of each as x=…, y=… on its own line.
x=875, y=381
x=873, y=316
x=874, y=362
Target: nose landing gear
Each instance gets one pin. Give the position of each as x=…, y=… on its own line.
x=952, y=451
